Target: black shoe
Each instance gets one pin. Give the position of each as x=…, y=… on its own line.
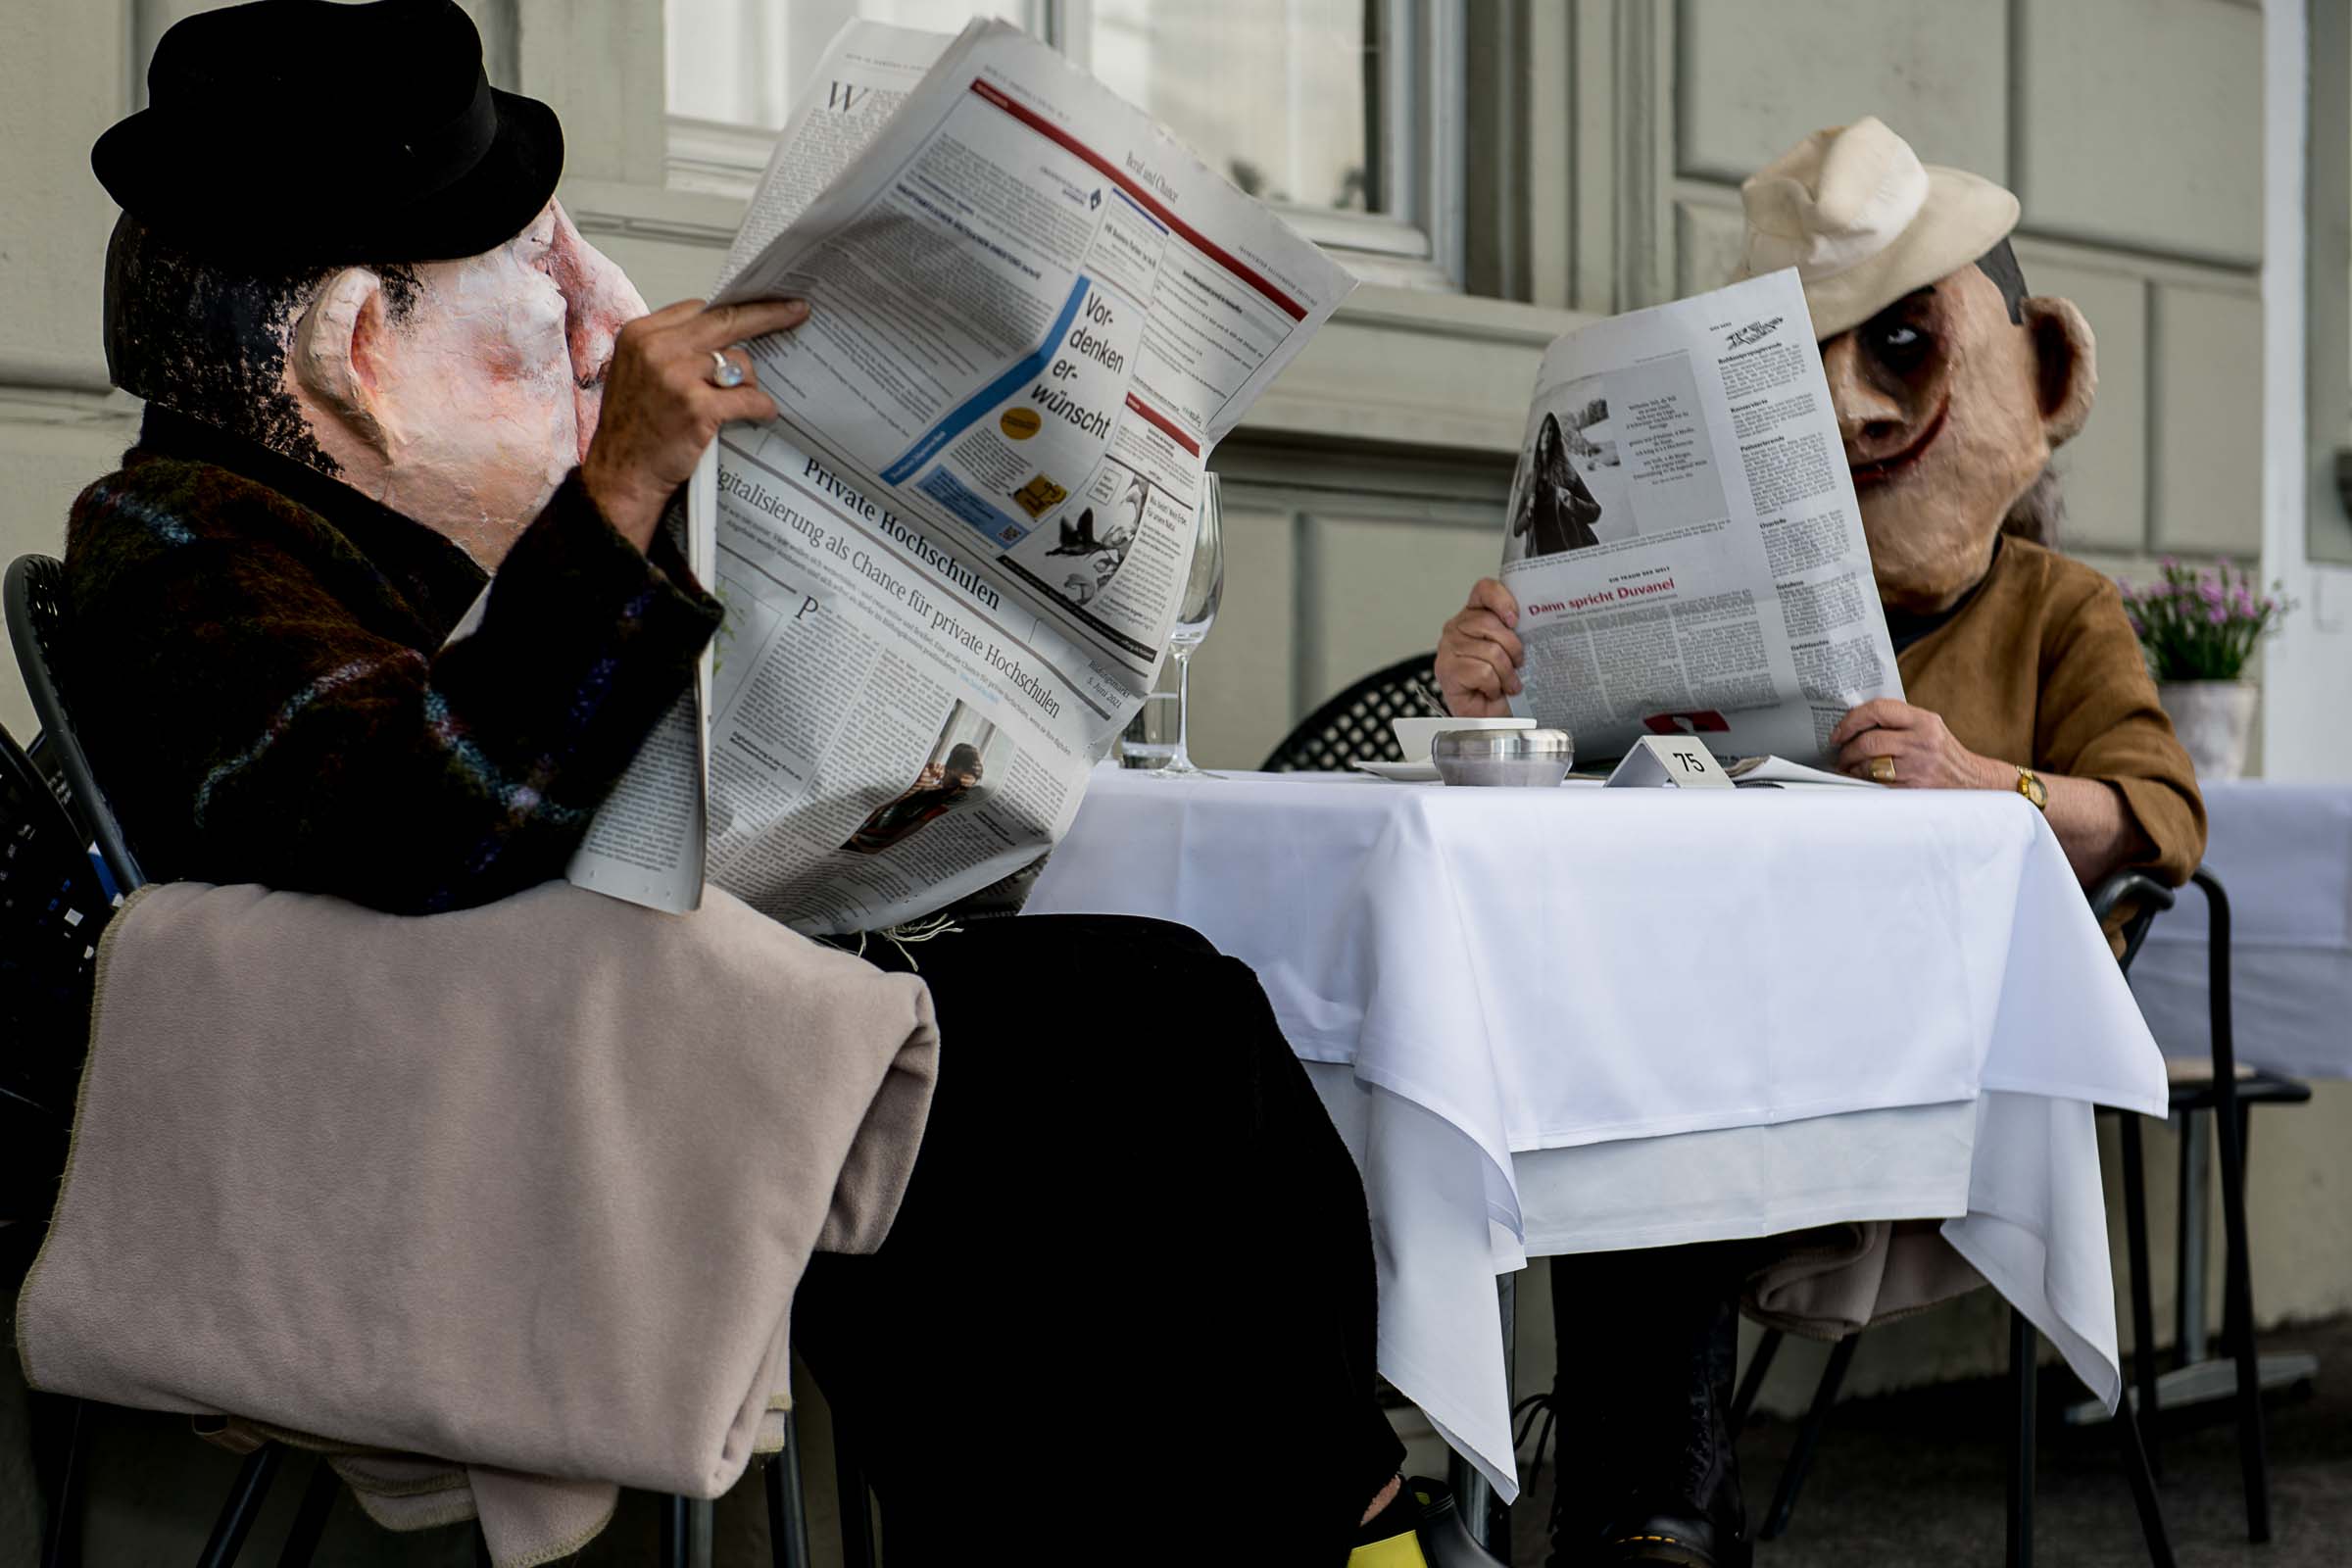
x=1671, y=1540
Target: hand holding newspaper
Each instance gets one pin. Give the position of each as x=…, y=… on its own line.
x=1684, y=540
x=951, y=562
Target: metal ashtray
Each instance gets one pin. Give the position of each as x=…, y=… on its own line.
x=1527, y=757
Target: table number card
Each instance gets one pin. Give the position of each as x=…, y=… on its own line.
x=1670, y=761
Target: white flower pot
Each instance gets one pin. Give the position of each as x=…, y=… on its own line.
x=2214, y=718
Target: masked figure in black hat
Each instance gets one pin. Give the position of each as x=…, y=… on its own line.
x=379, y=365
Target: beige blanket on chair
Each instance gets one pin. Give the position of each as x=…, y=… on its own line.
x=1840, y=1279
x=505, y=1207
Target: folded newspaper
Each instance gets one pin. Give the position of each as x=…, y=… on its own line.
x=1684, y=540
x=951, y=562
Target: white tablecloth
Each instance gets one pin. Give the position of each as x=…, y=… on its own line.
x=1538, y=1005
x=2283, y=854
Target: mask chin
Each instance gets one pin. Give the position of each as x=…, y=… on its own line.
x=1923, y=562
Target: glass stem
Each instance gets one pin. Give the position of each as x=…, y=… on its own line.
x=1183, y=760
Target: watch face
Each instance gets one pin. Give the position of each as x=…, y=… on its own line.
x=2031, y=789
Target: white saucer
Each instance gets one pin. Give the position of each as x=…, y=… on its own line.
x=1399, y=772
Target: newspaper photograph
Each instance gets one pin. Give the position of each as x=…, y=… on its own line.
x=951, y=563
x=1682, y=536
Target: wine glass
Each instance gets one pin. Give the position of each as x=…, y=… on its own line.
x=1203, y=586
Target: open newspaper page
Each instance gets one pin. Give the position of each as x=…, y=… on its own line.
x=951, y=566
x=1032, y=313
x=1684, y=540
x=646, y=843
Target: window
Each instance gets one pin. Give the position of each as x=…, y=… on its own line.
x=737, y=62
x=1345, y=113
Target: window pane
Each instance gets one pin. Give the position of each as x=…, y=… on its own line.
x=740, y=61
x=1274, y=94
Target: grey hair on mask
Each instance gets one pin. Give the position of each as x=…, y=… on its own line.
x=2035, y=516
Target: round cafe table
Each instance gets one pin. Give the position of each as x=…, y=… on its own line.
x=1580, y=1018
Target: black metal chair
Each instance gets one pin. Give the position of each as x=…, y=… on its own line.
x=53, y=903
x=1356, y=723
x=38, y=623
x=52, y=908
x=2228, y=1097
x=40, y=626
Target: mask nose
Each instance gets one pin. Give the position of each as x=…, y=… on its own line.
x=1872, y=424
x=598, y=301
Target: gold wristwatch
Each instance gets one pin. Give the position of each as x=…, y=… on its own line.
x=2031, y=786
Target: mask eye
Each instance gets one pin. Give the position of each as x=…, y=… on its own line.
x=1898, y=345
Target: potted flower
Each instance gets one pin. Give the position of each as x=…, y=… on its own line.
x=2198, y=630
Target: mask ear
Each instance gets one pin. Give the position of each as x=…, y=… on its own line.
x=337, y=353
x=2067, y=366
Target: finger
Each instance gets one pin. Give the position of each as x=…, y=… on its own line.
x=1476, y=673
x=1492, y=595
x=737, y=324
x=746, y=405
x=741, y=360
x=1497, y=658
x=1474, y=677
x=670, y=315
x=1880, y=713
x=1484, y=624
x=1868, y=744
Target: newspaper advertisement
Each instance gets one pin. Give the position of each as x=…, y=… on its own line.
x=1684, y=539
x=951, y=565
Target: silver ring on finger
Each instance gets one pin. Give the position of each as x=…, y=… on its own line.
x=724, y=373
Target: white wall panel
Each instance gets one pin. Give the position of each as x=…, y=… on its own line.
x=2208, y=421
x=1707, y=243
x=1752, y=79
x=1242, y=681
x=2143, y=123
x=1381, y=589
x=2105, y=469
x=64, y=79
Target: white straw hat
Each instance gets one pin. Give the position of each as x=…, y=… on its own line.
x=1865, y=223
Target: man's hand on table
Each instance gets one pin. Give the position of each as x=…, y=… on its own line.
x=662, y=409
x=1925, y=753
x=1479, y=653
x=2094, y=825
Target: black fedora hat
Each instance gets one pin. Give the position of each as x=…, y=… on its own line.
x=298, y=133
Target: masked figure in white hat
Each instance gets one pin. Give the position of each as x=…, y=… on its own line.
x=1952, y=387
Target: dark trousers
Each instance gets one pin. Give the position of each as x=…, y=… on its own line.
x=1127, y=1307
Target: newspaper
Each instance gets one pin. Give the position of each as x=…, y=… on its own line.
x=951, y=563
x=1683, y=537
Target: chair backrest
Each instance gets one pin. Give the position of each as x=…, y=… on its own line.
x=53, y=903
x=2148, y=898
x=40, y=628
x=1356, y=723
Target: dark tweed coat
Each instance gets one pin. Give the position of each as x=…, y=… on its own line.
x=258, y=672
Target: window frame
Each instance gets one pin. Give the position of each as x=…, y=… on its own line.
x=1418, y=240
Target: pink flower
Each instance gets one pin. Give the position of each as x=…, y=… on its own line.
x=2210, y=591
x=2218, y=615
